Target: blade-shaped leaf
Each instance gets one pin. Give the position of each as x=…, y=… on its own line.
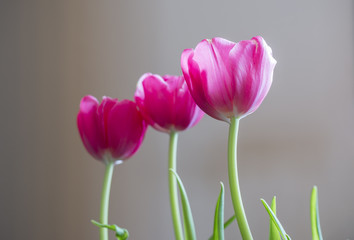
x=229, y=221
x=275, y=221
x=226, y=224
x=219, y=216
x=315, y=217
x=189, y=229
x=273, y=231
x=121, y=233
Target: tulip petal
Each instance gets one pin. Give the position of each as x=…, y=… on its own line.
x=243, y=70
x=166, y=103
x=266, y=67
x=103, y=111
x=89, y=128
x=154, y=100
x=228, y=79
x=252, y=71
x=126, y=129
x=196, y=81
x=219, y=87
x=187, y=113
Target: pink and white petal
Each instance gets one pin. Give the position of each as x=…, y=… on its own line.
x=218, y=80
x=244, y=73
x=174, y=83
x=199, y=91
x=265, y=64
x=185, y=56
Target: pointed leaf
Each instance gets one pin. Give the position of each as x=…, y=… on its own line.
x=229, y=221
x=226, y=224
x=276, y=221
x=273, y=231
x=219, y=216
x=315, y=217
x=189, y=229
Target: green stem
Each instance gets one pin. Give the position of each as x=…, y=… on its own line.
x=172, y=164
x=234, y=183
x=105, y=198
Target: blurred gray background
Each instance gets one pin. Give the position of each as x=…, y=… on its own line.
x=52, y=53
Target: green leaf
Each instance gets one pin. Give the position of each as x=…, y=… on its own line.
x=315, y=216
x=273, y=231
x=275, y=221
x=229, y=221
x=219, y=216
x=226, y=224
x=121, y=233
x=189, y=229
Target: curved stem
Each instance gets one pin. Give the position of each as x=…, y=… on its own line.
x=234, y=183
x=106, y=188
x=172, y=164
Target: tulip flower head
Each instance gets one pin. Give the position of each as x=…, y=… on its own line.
x=166, y=103
x=112, y=130
x=228, y=79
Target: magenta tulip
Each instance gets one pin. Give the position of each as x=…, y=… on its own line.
x=228, y=79
x=166, y=103
x=111, y=130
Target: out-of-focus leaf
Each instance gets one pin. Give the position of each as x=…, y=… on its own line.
x=276, y=221
x=273, y=231
x=226, y=224
x=315, y=216
x=229, y=221
x=189, y=229
x=219, y=216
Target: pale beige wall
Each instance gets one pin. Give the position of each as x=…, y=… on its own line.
x=54, y=52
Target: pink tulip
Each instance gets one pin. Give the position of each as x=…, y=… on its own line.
x=111, y=130
x=165, y=103
x=228, y=79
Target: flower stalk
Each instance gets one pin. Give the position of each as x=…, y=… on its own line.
x=106, y=188
x=172, y=164
x=234, y=183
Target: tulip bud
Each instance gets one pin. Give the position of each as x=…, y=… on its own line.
x=112, y=130
x=165, y=103
x=228, y=79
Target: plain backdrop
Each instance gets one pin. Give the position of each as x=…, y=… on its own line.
x=52, y=53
